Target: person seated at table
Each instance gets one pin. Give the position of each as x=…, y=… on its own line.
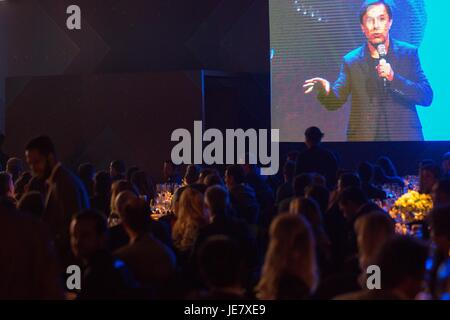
x=101, y=200
x=390, y=171
x=336, y=225
x=441, y=193
x=372, y=230
x=365, y=172
x=144, y=185
x=263, y=191
x=7, y=189
x=14, y=167
x=28, y=262
x=354, y=204
x=221, y=222
x=21, y=184
x=130, y=171
x=151, y=262
x=222, y=264
x=446, y=165
x=86, y=172
x=170, y=173
x=191, y=216
x=242, y=196
x=32, y=203
x=309, y=209
x=401, y=260
x=429, y=175
x=213, y=179
x=300, y=184
x=206, y=172
x=290, y=269
x=439, y=220
x=321, y=195
x=286, y=190
x=117, y=170
x=118, y=237
x=103, y=276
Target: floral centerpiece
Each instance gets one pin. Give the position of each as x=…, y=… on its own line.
x=411, y=208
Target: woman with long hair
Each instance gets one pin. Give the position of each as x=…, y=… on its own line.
x=290, y=270
x=372, y=230
x=190, y=217
x=309, y=209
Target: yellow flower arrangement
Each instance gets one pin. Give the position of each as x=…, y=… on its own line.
x=411, y=207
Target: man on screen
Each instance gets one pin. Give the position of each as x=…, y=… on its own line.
x=385, y=79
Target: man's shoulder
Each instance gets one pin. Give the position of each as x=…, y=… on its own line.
x=404, y=47
x=65, y=175
x=320, y=152
x=354, y=55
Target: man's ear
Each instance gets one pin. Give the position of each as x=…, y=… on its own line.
x=390, y=23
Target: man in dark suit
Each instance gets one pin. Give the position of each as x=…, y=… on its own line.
x=242, y=196
x=316, y=159
x=65, y=195
x=384, y=95
x=28, y=264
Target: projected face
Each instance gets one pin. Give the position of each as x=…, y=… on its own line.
x=376, y=24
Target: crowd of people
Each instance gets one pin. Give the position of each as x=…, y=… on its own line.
x=235, y=236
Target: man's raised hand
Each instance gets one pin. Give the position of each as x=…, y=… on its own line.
x=318, y=83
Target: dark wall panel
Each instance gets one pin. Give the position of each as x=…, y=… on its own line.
x=99, y=118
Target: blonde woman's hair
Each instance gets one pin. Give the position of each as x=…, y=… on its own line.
x=372, y=230
x=309, y=209
x=292, y=250
x=190, y=217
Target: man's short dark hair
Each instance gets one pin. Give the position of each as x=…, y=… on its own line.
x=135, y=215
x=218, y=200
x=313, y=134
x=99, y=220
x=401, y=257
x=443, y=186
x=434, y=169
x=350, y=180
x=321, y=195
x=301, y=182
x=237, y=172
x=119, y=166
x=43, y=144
x=86, y=170
x=289, y=169
x=221, y=262
x=102, y=183
x=5, y=180
x=366, y=171
x=213, y=179
x=131, y=170
x=353, y=195
x=440, y=221
x=367, y=3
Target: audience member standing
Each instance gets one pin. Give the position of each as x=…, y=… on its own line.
x=316, y=159
x=65, y=195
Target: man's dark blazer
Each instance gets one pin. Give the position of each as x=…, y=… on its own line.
x=66, y=196
x=379, y=113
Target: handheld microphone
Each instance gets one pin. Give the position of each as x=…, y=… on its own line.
x=382, y=52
